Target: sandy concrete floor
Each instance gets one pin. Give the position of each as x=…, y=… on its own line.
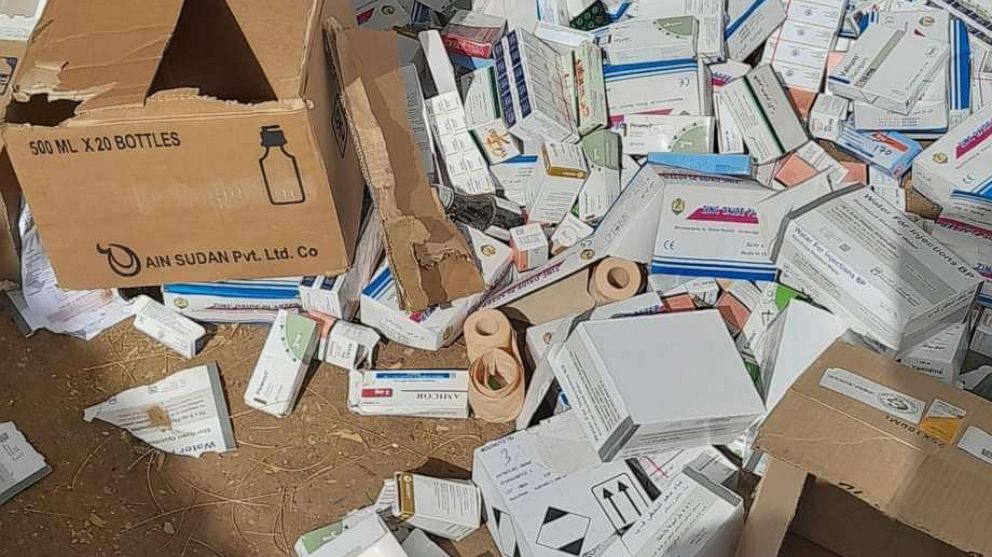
x=110, y=494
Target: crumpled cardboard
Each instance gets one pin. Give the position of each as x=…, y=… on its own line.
x=430, y=259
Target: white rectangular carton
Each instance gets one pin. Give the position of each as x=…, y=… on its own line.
x=437, y=326
x=562, y=172
x=417, y=544
x=530, y=78
x=798, y=50
x=543, y=491
x=361, y=533
x=450, y=509
x=941, y=355
x=892, y=152
x=666, y=87
x=603, y=185
x=865, y=261
x=709, y=13
x=416, y=113
x=529, y=245
x=419, y=393
x=282, y=366
x=965, y=226
x=981, y=341
x=569, y=231
x=827, y=118
x=729, y=137
x=625, y=413
x=561, y=37
x=168, y=327
x=634, y=41
x=762, y=111
x=643, y=134
x=234, y=301
x=338, y=296
x=518, y=177
x=709, y=227
x=483, y=117
x=961, y=160
x=875, y=71
x=20, y=465
x=344, y=344
x=751, y=22
x=590, y=88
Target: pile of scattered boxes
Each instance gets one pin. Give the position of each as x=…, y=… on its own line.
x=698, y=213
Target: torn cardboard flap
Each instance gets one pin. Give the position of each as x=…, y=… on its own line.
x=430, y=259
x=911, y=446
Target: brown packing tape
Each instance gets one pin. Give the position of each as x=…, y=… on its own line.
x=487, y=329
x=496, y=386
x=614, y=280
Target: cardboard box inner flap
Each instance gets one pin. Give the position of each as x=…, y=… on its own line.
x=907, y=445
x=429, y=257
x=153, y=145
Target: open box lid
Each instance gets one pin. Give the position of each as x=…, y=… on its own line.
x=917, y=450
x=117, y=53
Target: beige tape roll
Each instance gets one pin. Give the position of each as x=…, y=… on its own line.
x=487, y=329
x=496, y=386
x=614, y=280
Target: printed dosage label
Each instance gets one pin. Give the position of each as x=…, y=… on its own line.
x=880, y=397
x=943, y=421
x=978, y=443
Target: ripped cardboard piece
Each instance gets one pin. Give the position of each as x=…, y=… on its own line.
x=430, y=259
x=184, y=414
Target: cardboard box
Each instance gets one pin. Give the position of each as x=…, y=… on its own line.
x=282, y=366
x=11, y=53
x=425, y=393
x=888, y=440
x=338, y=296
x=762, y=111
x=865, y=261
x=168, y=327
x=543, y=491
x=875, y=71
x=530, y=77
x=242, y=301
x=709, y=14
x=562, y=172
x=958, y=161
x=636, y=41
x=625, y=413
x=709, y=227
x=750, y=23
x=450, y=509
x=666, y=87
x=429, y=257
x=152, y=158
x=361, y=533
x=437, y=326
x=643, y=134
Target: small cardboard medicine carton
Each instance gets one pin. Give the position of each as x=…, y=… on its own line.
x=530, y=79
x=546, y=494
x=940, y=356
x=450, y=509
x=709, y=227
x=562, y=172
x=603, y=185
x=763, y=113
x=965, y=226
x=709, y=14
x=888, y=68
x=635, y=41
x=590, y=89
x=168, y=327
x=981, y=341
x=344, y=344
x=519, y=178
x=422, y=393
x=417, y=544
x=529, y=245
x=960, y=160
x=282, y=366
x=20, y=465
x=437, y=326
x=483, y=117
x=569, y=231
x=361, y=533
x=338, y=296
x=663, y=87
x=828, y=116
x=891, y=152
x=626, y=412
x=233, y=301
x=868, y=263
x=750, y=24
x=643, y=134
x=709, y=163
x=473, y=34
x=729, y=138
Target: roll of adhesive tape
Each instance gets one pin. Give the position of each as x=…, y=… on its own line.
x=614, y=280
x=496, y=386
x=487, y=329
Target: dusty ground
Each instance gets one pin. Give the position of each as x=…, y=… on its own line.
x=110, y=494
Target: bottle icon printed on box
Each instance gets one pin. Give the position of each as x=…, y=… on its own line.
x=280, y=173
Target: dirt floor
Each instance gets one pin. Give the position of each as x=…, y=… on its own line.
x=110, y=494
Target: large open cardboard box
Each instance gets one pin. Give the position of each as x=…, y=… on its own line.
x=873, y=459
x=184, y=141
